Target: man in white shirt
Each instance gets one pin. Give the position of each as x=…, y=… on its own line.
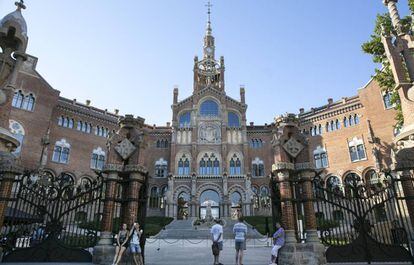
x=217, y=238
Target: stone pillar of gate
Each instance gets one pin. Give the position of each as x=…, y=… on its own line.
x=103, y=251
x=137, y=177
x=9, y=168
x=310, y=218
x=281, y=171
x=291, y=159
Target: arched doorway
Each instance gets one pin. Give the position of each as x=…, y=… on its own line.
x=236, y=205
x=210, y=199
x=182, y=205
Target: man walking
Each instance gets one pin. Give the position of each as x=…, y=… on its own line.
x=217, y=238
x=240, y=232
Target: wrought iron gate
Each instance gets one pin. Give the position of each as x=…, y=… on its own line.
x=364, y=222
x=52, y=219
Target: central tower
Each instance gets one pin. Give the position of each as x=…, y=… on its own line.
x=208, y=144
x=208, y=71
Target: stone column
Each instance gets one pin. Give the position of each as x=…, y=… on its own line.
x=310, y=218
x=103, y=252
x=288, y=221
x=136, y=179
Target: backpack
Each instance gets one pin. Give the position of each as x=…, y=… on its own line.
x=215, y=248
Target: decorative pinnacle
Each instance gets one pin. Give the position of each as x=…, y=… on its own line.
x=20, y=5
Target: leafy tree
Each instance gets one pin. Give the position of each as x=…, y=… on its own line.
x=375, y=48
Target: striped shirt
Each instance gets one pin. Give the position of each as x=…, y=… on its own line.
x=240, y=232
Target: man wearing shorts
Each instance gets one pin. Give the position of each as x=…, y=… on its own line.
x=240, y=232
x=217, y=238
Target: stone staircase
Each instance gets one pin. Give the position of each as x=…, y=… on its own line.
x=184, y=229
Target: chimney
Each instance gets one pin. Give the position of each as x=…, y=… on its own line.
x=74, y=101
x=301, y=110
x=242, y=94
x=88, y=102
x=344, y=99
x=251, y=123
x=168, y=124
x=106, y=111
x=330, y=101
x=116, y=111
x=175, y=100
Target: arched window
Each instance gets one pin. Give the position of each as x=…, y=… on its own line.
x=351, y=182
x=320, y=129
x=387, y=100
x=337, y=124
x=209, y=165
x=345, y=122
x=357, y=149
x=351, y=120
x=209, y=108
x=234, y=120
x=80, y=126
x=184, y=166
x=333, y=184
x=257, y=168
x=374, y=181
x=30, y=101
x=328, y=128
x=98, y=159
x=332, y=126
x=356, y=119
x=236, y=199
x=18, y=131
x=256, y=143
x=321, y=158
x=185, y=120
x=18, y=98
x=61, y=152
x=235, y=165
x=162, y=197
x=161, y=168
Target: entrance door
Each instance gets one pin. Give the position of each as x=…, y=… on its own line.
x=236, y=205
x=209, y=204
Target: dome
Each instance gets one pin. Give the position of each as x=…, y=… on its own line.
x=16, y=20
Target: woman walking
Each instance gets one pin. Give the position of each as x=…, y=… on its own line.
x=121, y=243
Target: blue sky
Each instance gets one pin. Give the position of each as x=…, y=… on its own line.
x=129, y=54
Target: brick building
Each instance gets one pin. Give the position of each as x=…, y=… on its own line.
x=208, y=154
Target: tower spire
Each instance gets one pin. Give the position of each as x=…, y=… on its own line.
x=209, y=5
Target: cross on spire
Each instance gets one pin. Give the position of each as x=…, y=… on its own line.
x=20, y=5
x=209, y=6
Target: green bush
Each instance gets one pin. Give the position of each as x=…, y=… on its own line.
x=259, y=223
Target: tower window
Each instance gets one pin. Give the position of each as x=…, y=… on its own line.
x=235, y=165
x=258, y=168
x=209, y=108
x=233, y=119
x=185, y=119
x=184, y=166
x=98, y=159
x=387, y=100
x=209, y=165
x=161, y=168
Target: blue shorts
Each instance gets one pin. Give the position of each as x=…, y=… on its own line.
x=135, y=248
x=240, y=245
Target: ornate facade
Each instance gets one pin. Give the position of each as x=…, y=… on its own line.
x=208, y=153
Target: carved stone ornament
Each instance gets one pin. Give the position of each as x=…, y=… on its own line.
x=125, y=149
x=293, y=147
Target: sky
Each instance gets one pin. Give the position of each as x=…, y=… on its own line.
x=129, y=54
